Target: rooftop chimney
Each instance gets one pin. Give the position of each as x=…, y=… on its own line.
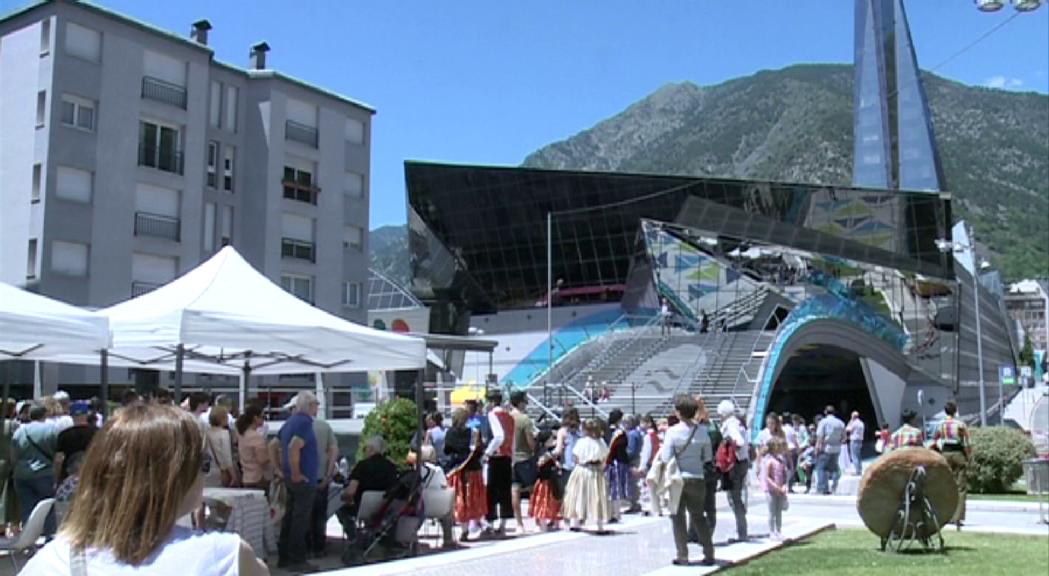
x=200, y=31
x=258, y=55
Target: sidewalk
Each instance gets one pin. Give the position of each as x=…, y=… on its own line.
x=640, y=546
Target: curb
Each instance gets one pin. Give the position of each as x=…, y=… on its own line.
x=779, y=545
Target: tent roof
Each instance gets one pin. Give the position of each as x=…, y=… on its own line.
x=226, y=313
x=33, y=326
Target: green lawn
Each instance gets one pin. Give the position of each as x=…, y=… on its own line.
x=857, y=553
x=1013, y=496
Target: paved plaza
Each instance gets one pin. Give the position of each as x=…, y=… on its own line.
x=645, y=546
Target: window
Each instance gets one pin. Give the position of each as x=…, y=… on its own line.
x=157, y=212
x=83, y=42
x=298, y=185
x=227, y=168
x=353, y=184
x=301, y=123
x=351, y=294
x=354, y=131
x=164, y=79
x=159, y=147
x=69, y=258
x=297, y=237
x=45, y=37
x=73, y=184
x=213, y=163
x=352, y=237
x=36, y=183
x=78, y=112
x=209, y=226
x=227, y=226
x=41, y=108
x=215, y=105
x=231, y=108
x=300, y=286
x=30, y=271
x=151, y=271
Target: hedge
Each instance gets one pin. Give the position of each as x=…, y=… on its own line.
x=395, y=420
x=997, y=458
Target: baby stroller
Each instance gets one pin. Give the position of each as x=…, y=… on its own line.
x=388, y=523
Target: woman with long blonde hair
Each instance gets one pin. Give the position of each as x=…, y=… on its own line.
x=143, y=471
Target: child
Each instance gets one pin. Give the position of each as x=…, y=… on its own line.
x=545, y=504
x=806, y=461
x=774, y=480
x=586, y=496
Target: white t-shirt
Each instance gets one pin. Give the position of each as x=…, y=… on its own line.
x=184, y=553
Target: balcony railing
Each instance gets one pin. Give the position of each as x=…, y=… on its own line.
x=156, y=225
x=290, y=248
x=161, y=91
x=140, y=288
x=295, y=191
x=300, y=133
x=160, y=158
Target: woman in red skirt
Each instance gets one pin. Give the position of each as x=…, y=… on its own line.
x=545, y=503
x=463, y=448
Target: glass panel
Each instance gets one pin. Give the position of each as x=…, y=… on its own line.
x=86, y=120
x=168, y=149
x=68, y=113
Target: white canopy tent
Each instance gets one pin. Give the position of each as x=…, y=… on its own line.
x=225, y=317
x=34, y=327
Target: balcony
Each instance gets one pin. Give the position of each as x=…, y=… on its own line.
x=161, y=158
x=158, y=226
x=139, y=288
x=161, y=91
x=299, y=192
x=300, y=133
x=290, y=248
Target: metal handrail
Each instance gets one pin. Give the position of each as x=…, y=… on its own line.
x=300, y=133
x=291, y=248
x=162, y=91
x=157, y=225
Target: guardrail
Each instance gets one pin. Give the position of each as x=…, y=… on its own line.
x=161, y=91
x=300, y=133
x=157, y=225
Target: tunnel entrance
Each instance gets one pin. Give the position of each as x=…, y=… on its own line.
x=818, y=375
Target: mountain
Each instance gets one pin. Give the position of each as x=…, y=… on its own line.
x=388, y=251
x=795, y=125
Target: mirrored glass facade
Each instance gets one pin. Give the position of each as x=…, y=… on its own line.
x=478, y=235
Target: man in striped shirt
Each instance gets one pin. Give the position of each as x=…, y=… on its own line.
x=907, y=435
x=952, y=439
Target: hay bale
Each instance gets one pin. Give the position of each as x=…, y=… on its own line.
x=884, y=483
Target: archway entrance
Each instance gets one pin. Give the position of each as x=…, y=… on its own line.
x=817, y=375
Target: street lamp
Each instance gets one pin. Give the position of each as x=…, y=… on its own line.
x=996, y=5
x=946, y=246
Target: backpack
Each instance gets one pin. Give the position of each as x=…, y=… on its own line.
x=725, y=459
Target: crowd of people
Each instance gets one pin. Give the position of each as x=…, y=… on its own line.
x=579, y=474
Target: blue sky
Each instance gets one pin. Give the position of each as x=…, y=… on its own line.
x=486, y=82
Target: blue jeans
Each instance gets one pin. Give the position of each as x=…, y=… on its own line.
x=827, y=464
x=855, y=450
x=30, y=491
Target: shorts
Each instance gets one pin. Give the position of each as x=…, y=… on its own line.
x=524, y=474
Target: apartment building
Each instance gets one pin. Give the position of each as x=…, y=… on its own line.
x=129, y=154
x=1027, y=302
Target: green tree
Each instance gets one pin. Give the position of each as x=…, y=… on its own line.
x=395, y=420
x=1027, y=354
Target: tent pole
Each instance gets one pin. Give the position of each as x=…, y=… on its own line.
x=318, y=386
x=180, y=351
x=103, y=380
x=421, y=424
x=8, y=368
x=245, y=381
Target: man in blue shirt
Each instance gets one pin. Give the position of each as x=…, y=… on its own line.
x=298, y=445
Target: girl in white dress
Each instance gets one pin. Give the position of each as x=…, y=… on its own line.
x=586, y=496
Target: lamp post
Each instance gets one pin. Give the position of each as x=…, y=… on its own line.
x=946, y=246
x=549, y=306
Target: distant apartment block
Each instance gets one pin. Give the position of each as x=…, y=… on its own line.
x=1027, y=302
x=129, y=154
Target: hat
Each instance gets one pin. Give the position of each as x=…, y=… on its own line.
x=79, y=408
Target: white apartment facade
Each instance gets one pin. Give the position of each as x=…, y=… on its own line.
x=129, y=154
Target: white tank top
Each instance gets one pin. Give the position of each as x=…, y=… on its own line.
x=185, y=552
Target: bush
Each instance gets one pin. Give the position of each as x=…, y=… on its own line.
x=395, y=420
x=997, y=458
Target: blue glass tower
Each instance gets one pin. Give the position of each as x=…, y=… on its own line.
x=893, y=142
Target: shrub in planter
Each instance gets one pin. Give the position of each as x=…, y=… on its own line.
x=997, y=458
x=395, y=420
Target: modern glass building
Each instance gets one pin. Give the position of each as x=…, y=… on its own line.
x=478, y=235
